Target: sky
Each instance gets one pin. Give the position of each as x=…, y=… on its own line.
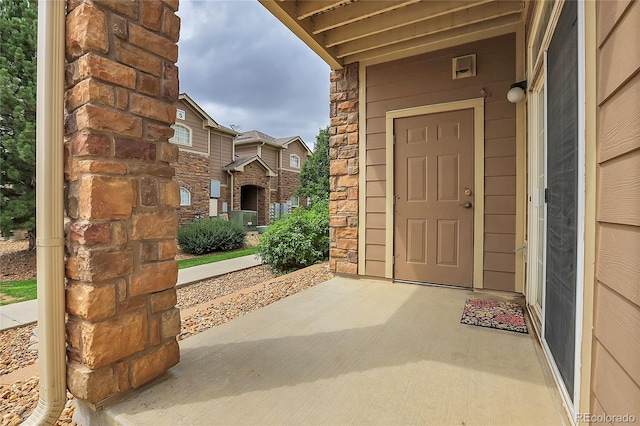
x=244, y=67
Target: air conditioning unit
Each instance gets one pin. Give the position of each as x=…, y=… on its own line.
x=247, y=218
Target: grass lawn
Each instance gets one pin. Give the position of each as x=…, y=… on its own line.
x=188, y=263
x=22, y=291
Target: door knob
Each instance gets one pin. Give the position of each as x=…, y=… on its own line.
x=466, y=205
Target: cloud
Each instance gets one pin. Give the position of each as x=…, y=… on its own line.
x=244, y=67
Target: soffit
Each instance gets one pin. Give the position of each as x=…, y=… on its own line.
x=348, y=31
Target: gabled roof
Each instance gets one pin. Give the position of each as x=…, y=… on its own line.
x=285, y=142
x=208, y=121
x=254, y=136
x=240, y=163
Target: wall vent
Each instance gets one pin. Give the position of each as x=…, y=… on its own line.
x=464, y=66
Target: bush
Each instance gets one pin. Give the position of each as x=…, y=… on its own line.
x=297, y=240
x=210, y=235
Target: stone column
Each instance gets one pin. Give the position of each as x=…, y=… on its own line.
x=121, y=83
x=343, y=151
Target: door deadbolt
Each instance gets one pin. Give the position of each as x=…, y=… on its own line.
x=467, y=192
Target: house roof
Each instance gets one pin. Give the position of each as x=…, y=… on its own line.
x=347, y=31
x=255, y=136
x=239, y=164
x=208, y=121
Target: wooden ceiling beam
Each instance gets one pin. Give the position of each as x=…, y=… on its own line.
x=408, y=15
x=485, y=29
x=285, y=12
x=444, y=23
x=354, y=12
x=307, y=8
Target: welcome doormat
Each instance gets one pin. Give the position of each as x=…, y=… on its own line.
x=494, y=314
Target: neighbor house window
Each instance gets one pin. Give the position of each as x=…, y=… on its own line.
x=185, y=197
x=181, y=135
x=295, y=201
x=294, y=161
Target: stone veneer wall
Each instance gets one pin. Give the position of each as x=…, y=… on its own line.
x=192, y=172
x=343, y=151
x=253, y=174
x=288, y=183
x=121, y=83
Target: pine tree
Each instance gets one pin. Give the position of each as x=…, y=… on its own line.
x=314, y=176
x=18, y=42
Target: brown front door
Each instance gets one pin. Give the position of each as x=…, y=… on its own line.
x=433, y=235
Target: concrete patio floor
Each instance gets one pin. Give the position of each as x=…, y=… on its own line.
x=352, y=351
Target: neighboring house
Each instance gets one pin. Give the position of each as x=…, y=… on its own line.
x=220, y=171
x=266, y=173
x=205, y=148
x=459, y=186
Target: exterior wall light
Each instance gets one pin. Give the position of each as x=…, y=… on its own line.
x=516, y=93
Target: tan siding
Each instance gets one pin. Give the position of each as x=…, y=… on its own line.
x=499, y=280
x=500, y=166
x=500, y=185
x=620, y=194
x=504, y=147
x=376, y=189
x=376, y=156
x=374, y=268
x=597, y=410
x=270, y=156
x=376, y=221
x=500, y=204
x=617, y=328
x=613, y=387
x=376, y=236
x=221, y=146
x=376, y=205
x=619, y=122
x=294, y=148
x=227, y=150
x=609, y=13
x=619, y=55
x=500, y=243
x=618, y=265
x=375, y=252
x=499, y=262
x=426, y=80
x=193, y=120
x=244, y=150
x=615, y=383
x=499, y=224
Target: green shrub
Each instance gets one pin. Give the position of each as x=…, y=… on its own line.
x=210, y=235
x=297, y=240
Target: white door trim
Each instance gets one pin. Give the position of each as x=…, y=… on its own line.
x=477, y=105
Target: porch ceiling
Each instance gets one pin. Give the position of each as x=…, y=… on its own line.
x=348, y=31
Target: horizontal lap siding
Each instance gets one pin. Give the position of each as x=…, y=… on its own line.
x=616, y=366
x=199, y=135
x=220, y=156
x=294, y=148
x=246, y=150
x=270, y=156
x=426, y=80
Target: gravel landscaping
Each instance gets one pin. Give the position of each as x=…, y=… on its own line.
x=204, y=305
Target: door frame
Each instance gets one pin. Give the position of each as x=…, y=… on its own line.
x=477, y=105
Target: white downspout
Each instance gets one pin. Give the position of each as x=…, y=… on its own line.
x=49, y=213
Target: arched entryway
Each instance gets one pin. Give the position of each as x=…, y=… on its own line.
x=253, y=198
